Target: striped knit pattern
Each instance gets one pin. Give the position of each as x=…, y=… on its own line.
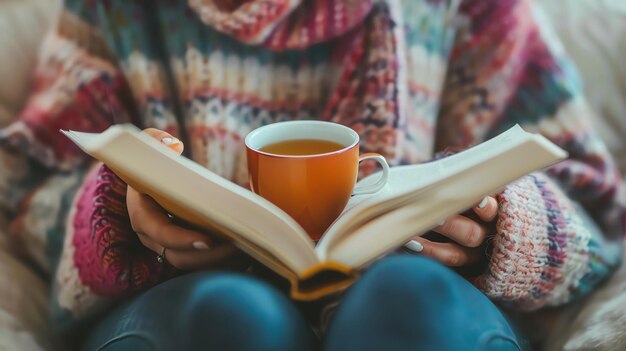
x=273, y=23
x=68, y=80
x=412, y=78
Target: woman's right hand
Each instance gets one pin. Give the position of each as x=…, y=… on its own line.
x=185, y=249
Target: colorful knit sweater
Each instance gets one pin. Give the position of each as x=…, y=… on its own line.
x=411, y=77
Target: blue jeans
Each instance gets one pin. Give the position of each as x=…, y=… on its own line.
x=400, y=303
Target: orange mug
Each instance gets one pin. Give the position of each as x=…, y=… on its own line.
x=312, y=188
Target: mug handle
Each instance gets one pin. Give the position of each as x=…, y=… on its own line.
x=372, y=188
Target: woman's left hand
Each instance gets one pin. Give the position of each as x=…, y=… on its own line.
x=467, y=237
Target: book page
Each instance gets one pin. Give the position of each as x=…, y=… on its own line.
x=450, y=186
x=405, y=181
x=193, y=193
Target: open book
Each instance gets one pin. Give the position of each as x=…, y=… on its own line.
x=416, y=198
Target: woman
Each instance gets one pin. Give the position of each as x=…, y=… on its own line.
x=412, y=78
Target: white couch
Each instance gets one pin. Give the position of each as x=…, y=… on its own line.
x=24, y=316
x=594, y=33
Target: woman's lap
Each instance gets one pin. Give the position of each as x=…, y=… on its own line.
x=401, y=303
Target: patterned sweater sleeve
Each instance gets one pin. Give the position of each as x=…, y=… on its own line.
x=68, y=214
x=558, y=231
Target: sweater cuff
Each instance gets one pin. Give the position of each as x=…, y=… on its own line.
x=102, y=257
x=110, y=258
x=540, y=249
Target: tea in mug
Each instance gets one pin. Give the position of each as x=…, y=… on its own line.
x=301, y=147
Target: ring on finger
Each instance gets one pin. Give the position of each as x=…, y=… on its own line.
x=161, y=256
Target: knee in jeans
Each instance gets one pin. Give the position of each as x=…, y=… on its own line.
x=233, y=296
x=413, y=275
x=244, y=306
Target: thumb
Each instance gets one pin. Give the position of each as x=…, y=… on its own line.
x=167, y=139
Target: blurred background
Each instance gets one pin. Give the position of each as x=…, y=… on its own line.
x=593, y=33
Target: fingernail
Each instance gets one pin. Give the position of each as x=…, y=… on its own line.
x=483, y=203
x=414, y=246
x=200, y=245
x=170, y=141
x=441, y=223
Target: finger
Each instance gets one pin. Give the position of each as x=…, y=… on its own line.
x=463, y=230
x=149, y=243
x=167, y=139
x=487, y=209
x=450, y=254
x=148, y=218
x=188, y=259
